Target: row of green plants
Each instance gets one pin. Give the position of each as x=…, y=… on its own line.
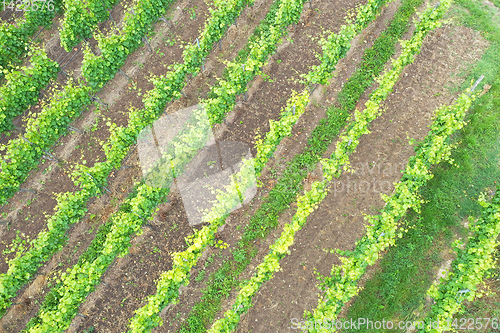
x=398, y=287
x=167, y=288
x=332, y=167
x=468, y=270
x=41, y=132
x=77, y=282
x=166, y=89
x=336, y=46
x=182, y=150
x=20, y=158
x=14, y=38
x=113, y=238
x=69, y=211
x=22, y=87
x=115, y=47
x=81, y=18
x=382, y=229
x=342, y=285
x=289, y=185
x=71, y=207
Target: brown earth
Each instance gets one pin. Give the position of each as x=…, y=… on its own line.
x=69, y=62
x=173, y=316
x=27, y=210
x=186, y=301
x=100, y=210
x=111, y=295
x=338, y=221
x=130, y=279
x=79, y=147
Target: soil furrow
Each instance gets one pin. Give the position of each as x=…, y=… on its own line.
x=261, y=97
x=69, y=62
x=76, y=147
x=284, y=153
x=119, y=100
x=233, y=38
x=338, y=222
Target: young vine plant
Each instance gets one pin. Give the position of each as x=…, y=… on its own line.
x=468, y=271
x=22, y=87
x=310, y=200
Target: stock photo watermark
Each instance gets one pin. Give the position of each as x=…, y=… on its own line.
x=376, y=184
x=367, y=324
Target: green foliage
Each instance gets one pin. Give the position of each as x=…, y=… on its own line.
x=397, y=289
x=372, y=59
x=53, y=297
x=71, y=207
x=22, y=87
x=13, y=46
x=261, y=30
x=24, y=155
x=310, y=200
x=81, y=18
x=41, y=133
x=282, y=195
x=99, y=69
x=14, y=38
x=382, y=231
x=41, y=17
x=468, y=269
x=22, y=268
x=223, y=98
x=76, y=283
x=336, y=45
x=295, y=107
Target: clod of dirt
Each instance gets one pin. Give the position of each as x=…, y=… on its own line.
x=486, y=88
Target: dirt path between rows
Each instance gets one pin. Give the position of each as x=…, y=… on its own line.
x=121, y=181
x=130, y=279
x=37, y=188
x=70, y=64
x=27, y=211
x=338, y=221
x=109, y=308
x=269, y=98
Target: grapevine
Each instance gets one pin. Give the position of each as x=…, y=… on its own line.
x=99, y=69
x=81, y=18
x=341, y=286
x=22, y=154
x=126, y=226
x=22, y=87
x=170, y=281
x=22, y=157
x=469, y=269
x=308, y=202
x=14, y=38
x=72, y=207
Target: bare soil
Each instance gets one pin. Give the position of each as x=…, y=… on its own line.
x=26, y=211
x=112, y=299
x=337, y=223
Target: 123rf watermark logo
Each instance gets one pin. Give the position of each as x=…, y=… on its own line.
x=470, y=324
x=28, y=5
